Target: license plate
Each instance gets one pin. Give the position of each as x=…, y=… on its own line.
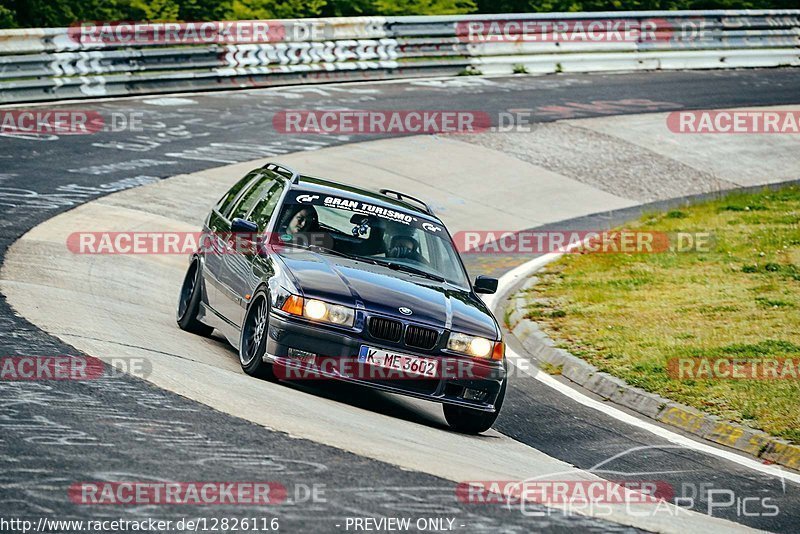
x=404, y=363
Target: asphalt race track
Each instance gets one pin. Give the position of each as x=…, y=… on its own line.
x=57, y=433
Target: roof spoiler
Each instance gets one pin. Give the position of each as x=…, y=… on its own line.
x=294, y=176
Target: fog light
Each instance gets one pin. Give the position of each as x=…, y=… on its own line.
x=303, y=356
x=474, y=395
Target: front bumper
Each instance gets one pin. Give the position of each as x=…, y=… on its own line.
x=469, y=383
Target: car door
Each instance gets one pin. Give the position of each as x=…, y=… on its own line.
x=263, y=214
x=218, y=227
x=237, y=271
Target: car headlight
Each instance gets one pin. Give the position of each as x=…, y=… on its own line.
x=478, y=347
x=317, y=310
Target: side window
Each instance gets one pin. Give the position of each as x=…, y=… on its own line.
x=225, y=204
x=250, y=197
x=263, y=211
x=445, y=258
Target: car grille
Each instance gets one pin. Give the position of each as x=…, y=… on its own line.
x=422, y=338
x=387, y=329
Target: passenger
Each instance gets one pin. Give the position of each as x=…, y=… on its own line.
x=300, y=220
x=300, y=225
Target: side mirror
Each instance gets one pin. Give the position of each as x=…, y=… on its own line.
x=485, y=285
x=243, y=226
x=244, y=236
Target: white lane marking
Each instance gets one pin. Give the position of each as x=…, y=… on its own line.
x=509, y=280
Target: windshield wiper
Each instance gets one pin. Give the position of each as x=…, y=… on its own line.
x=323, y=250
x=412, y=270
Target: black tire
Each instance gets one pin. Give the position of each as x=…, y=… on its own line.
x=253, y=341
x=470, y=421
x=189, y=302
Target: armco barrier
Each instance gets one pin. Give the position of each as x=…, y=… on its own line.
x=61, y=63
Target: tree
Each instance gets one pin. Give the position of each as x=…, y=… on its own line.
x=202, y=10
x=275, y=9
x=59, y=13
x=424, y=7
x=8, y=18
x=156, y=10
x=348, y=8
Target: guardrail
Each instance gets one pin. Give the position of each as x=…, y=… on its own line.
x=126, y=59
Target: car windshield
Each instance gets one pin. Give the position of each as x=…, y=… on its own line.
x=370, y=232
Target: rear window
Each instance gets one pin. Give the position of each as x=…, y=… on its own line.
x=225, y=204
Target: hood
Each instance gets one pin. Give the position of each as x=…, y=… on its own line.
x=383, y=290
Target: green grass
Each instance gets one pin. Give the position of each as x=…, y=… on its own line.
x=551, y=369
x=629, y=314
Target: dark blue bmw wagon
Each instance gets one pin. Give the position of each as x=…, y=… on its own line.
x=312, y=278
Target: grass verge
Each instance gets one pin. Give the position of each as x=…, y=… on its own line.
x=630, y=314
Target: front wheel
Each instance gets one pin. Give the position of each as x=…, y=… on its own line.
x=471, y=421
x=189, y=302
x=253, y=343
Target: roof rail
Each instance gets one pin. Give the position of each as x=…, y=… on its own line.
x=402, y=196
x=294, y=176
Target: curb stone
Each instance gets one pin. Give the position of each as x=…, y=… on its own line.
x=739, y=437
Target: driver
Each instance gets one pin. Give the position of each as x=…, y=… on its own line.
x=405, y=247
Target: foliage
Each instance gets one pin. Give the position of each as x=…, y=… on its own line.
x=424, y=7
x=275, y=9
x=7, y=17
x=54, y=13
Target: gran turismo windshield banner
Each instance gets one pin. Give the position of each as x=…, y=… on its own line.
x=366, y=208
